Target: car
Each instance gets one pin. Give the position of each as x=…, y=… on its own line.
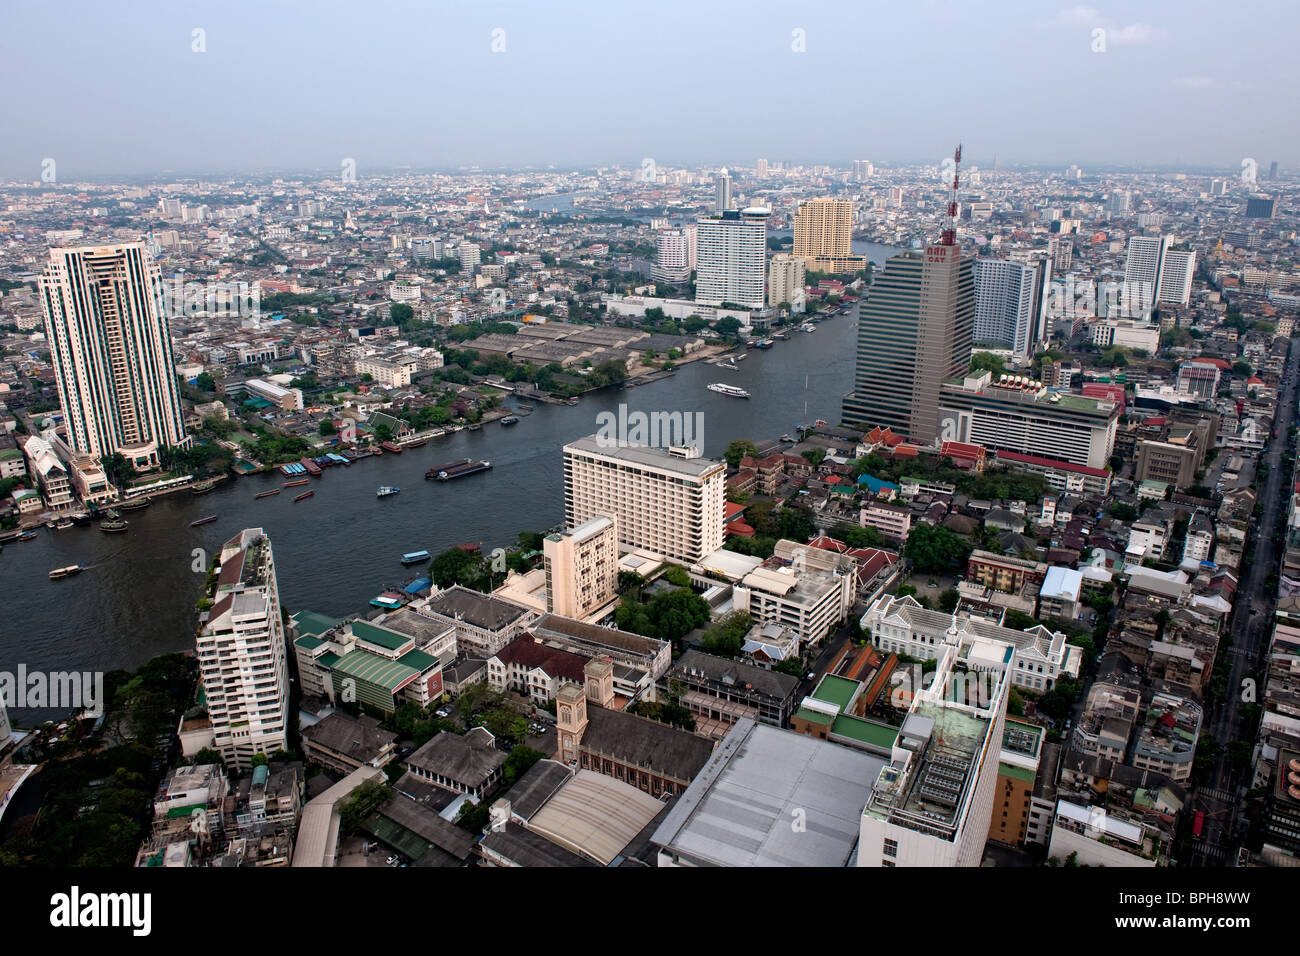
x=812, y=675
x=391, y=860
x=442, y=712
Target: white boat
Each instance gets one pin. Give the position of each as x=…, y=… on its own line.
x=723, y=389
x=386, y=490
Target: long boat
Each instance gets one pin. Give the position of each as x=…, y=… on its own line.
x=202, y=521
x=418, y=443
x=305, y=494
x=391, y=446
x=267, y=494
x=296, y=482
x=67, y=572
x=27, y=535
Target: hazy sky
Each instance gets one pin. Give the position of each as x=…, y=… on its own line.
x=109, y=88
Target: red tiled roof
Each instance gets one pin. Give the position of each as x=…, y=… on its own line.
x=740, y=529
x=1053, y=463
x=529, y=654
x=730, y=509
x=961, y=449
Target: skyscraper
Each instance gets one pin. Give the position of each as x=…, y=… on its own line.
x=785, y=281
x=1009, y=304
x=241, y=651
x=732, y=258
x=1155, y=272
x=675, y=255
x=112, y=352
x=915, y=331
x=1176, y=273
x=722, y=202
x=762, y=169
x=823, y=233
x=862, y=170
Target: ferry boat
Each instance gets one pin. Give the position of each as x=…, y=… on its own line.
x=135, y=504
x=389, y=446
x=203, y=487
x=723, y=389
x=295, y=483
x=112, y=526
x=510, y=420
x=390, y=600
x=386, y=490
x=305, y=494
x=267, y=494
x=67, y=572
x=415, y=557
x=202, y=521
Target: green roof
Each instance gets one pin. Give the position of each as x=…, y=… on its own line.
x=310, y=622
x=186, y=811
x=373, y=669
x=395, y=835
x=1016, y=773
x=814, y=716
x=328, y=659
x=379, y=636
x=836, y=690
x=865, y=731
x=308, y=642
x=418, y=660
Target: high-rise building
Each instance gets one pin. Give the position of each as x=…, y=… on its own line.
x=1260, y=207
x=1009, y=306
x=1218, y=187
x=669, y=501
x=1176, y=273
x=675, y=255
x=241, y=651
x=471, y=256
x=112, y=352
x=1119, y=203
x=823, y=234
x=785, y=281
x=723, y=199
x=862, y=170
x=915, y=331
x=1272, y=170
x=731, y=254
x=1155, y=272
x=762, y=169
x=582, y=568
x=1061, y=251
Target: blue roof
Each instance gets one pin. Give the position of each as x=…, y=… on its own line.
x=875, y=485
x=418, y=585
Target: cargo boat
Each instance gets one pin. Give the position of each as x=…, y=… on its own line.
x=305, y=494
x=67, y=572
x=313, y=469
x=201, y=521
x=415, y=557
x=457, y=470
x=389, y=446
x=420, y=443
x=267, y=494
x=296, y=483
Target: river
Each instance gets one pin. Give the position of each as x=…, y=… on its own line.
x=341, y=547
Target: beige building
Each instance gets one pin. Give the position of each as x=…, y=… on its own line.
x=785, y=281
x=823, y=231
x=582, y=568
x=666, y=500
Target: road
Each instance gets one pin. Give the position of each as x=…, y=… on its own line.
x=1220, y=798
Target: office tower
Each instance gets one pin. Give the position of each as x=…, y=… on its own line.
x=1017, y=414
x=1009, y=304
x=1074, y=172
x=1272, y=170
x=1176, y=273
x=582, y=568
x=1119, y=203
x=471, y=256
x=675, y=255
x=862, y=170
x=785, y=281
x=241, y=651
x=823, y=233
x=722, y=201
x=112, y=352
x=1260, y=207
x=932, y=804
x=668, y=501
x=915, y=331
x=762, y=169
x=731, y=253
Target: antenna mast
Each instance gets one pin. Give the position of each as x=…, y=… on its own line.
x=949, y=235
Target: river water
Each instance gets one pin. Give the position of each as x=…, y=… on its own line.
x=341, y=547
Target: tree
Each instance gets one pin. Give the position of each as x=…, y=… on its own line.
x=678, y=576
x=935, y=549
x=675, y=614
x=858, y=537
x=727, y=326
x=987, y=362
x=205, y=382
x=726, y=638
x=458, y=566
x=362, y=802
x=948, y=600
x=519, y=762
x=327, y=428
x=738, y=449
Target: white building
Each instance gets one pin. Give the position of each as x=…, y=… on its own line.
x=932, y=804
x=241, y=651
x=1009, y=304
x=732, y=258
x=785, y=281
x=667, y=501
x=675, y=255
x=50, y=473
x=1099, y=838
x=470, y=258
x=386, y=373
x=810, y=592
x=1161, y=273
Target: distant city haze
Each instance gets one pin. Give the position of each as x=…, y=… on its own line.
x=156, y=88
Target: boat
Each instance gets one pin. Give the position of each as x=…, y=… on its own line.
x=789, y=438
x=783, y=336
x=111, y=514
x=63, y=524
x=524, y=408
x=419, y=443
x=415, y=557
x=267, y=494
x=723, y=389
x=296, y=483
x=729, y=364
x=820, y=423
x=201, y=521
x=807, y=327
x=135, y=504
x=763, y=344
x=203, y=487
x=510, y=420
x=386, y=490
x=112, y=526
x=313, y=469
x=67, y=572
x=377, y=451
x=475, y=427
x=457, y=469
x=81, y=518
x=572, y=401
x=389, y=446
x=305, y=494
x=389, y=600
x=27, y=535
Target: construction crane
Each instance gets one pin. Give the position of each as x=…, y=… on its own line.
x=949, y=235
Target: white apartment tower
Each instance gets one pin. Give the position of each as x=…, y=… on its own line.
x=471, y=257
x=669, y=501
x=582, y=568
x=1176, y=275
x=241, y=651
x=732, y=258
x=112, y=352
x=724, y=199
x=1157, y=271
x=1009, y=304
x=932, y=805
x=675, y=255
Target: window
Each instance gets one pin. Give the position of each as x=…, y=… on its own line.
x=891, y=848
x=887, y=863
